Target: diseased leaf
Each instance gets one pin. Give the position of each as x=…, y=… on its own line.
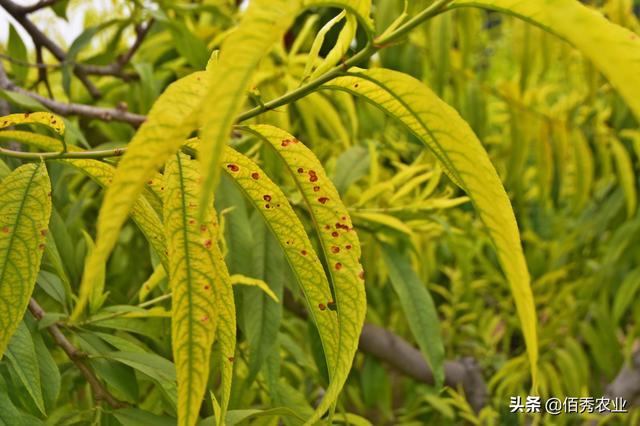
x=25, y=208
x=340, y=247
x=48, y=119
x=440, y=128
x=419, y=309
x=197, y=275
x=273, y=205
x=167, y=126
x=613, y=49
x=263, y=25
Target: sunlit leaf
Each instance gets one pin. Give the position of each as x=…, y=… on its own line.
x=25, y=208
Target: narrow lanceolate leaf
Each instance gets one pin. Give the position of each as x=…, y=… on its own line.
x=361, y=8
x=340, y=246
x=466, y=162
x=102, y=173
x=46, y=118
x=24, y=361
x=196, y=270
x=168, y=124
x=25, y=208
x=614, y=50
x=263, y=25
x=418, y=308
x=274, y=207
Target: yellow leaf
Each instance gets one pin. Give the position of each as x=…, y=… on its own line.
x=167, y=126
x=244, y=280
x=626, y=175
x=614, y=50
x=263, y=25
x=340, y=247
x=466, y=162
x=273, y=205
x=25, y=208
x=46, y=118
x=196, y=275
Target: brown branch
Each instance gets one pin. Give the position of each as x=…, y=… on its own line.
x=67, y=109
x=77, y=357
x=116, y=69
x=405, y=358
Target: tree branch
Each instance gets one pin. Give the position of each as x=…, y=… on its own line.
x=76, y=356
x=67, y=109
x=37, y=6
x=405, y=358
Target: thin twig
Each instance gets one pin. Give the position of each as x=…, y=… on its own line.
x=66, y=109
x=77, y=357
x=37, y=6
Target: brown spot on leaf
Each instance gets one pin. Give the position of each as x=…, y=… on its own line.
x=323, y=200
x=41, y=247
x=335, y=249
x=266, y=197
x=335, y=234
x=300, y=170
x=348, y=246
x=233, y=167
x=303, y=252
x=322, y=306
x=338, y=266
x=361, y=275
x=255, y=175
x=203, y=227
x=204, y=318
x=316, y=188
x=231, y=359
x=5, y=229
x=208, y=244
x=43, y=232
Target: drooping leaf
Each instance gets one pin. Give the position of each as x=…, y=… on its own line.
x=449, y=137
x=25, y=208
x=613, y=49
x=167, y=126
x=48, y=119
x=21, y=352
x=418, y=308
x=340, y=247
x=264, y=24
x=196, y=275
x=273, y=205
x=626, y=175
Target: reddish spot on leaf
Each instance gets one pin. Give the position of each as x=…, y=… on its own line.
x=255, y=175
x=49, y=194
x=348, y=246
x=267, y=206
x=286, y=142
x=323, y=200
x=41, y=247
x=300, y=170
x=206, y=287
x=192, y=221
x=327, y=227
x=356, y=85
x=313, y=177
x=322, y=306
x=335, y=249
x=43, y=232
x=26, y=115
x=266, y=197
x=303, y=252
x=204, y=318
x=150, y=182
x=208, y=244
x=361, y=275
x=5, y=229
x=343, y=218
x=335, y=234
x=338, y=266
x=233, y=167
x=316, y=188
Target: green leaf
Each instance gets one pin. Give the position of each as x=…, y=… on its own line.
x=440, y=128
x=626, y=175
x=614, y=50
x=340, y=247
x=25, y=208
x=197, y=276
x=137, y=417
x=49, y=373
x=263, y=25
x=190, y=47
x=419, y=309
x=18, y=51
x=9, y=414
x=21, y=353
